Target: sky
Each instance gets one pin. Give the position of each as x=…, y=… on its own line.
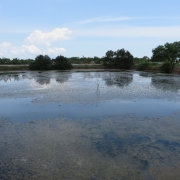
x=77, y=28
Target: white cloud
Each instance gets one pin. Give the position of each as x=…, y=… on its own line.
x=5, y=45
x=56, y=51
x=6, y=49
x=32, y=49
x=118, y=19
x=130, y=32
x=57, y=34
x=104, y=19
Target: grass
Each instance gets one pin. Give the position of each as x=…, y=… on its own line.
x=87, y=66
x=148, y=66
x=14, y=67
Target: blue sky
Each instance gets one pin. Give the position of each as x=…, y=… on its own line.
x=86, y=27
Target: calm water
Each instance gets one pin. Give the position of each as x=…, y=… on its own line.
x=89, y=125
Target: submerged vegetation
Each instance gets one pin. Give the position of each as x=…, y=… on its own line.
x=165, y=58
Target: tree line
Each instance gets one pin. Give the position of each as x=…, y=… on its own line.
x=15, y=61
x=168, y=54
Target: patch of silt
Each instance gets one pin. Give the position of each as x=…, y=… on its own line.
x=112, y=148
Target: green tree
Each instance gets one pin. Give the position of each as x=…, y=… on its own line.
x=61, y=63
x=108, y=59
x=167, y=53
x=41, y=63
x=16, y=61
x=97, y=60
x=123, y=59
x=5, y=61
x=158, y=54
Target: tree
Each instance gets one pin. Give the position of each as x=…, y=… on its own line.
x=158, y=54
x=108, y=59
x=167, y=53
x=61, y=63
x=97, y=60
x=41, y=63
x=123, y=59
x=16, y=61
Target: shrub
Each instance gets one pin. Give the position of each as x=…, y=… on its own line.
x=62, y=63
x=142, y=66
x=41, y=63
x=167, y=67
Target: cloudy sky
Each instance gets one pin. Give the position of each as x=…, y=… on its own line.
x=86, y=27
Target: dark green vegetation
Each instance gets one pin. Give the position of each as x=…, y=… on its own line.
x=62, y=63
x=120, y=59
x=15, y=61
x=41, y=63
x=14, y=67
x=165, y=58
x=45, y=63
x=168, y=54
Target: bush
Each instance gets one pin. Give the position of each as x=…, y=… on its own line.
x=62, y=63
x=123, y=59
x=167, y=67
x=142, y=66
x=41, y=63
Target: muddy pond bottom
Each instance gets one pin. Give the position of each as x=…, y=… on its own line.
x=89, y=125
x=24, y=109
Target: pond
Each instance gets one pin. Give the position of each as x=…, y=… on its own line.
x=89, y=125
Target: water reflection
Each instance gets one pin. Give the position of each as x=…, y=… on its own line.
x=62, y=78
x=166, y=83
x=12, y=77
x=40, y=78
x=119, y=79
x=84, y=130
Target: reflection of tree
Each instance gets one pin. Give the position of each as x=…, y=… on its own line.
x=87, y=75
x=61, y=78
x=166, y=83
x=42, y=79
x=119, y=79
x=10, y=77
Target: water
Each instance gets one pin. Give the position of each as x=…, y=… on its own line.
x=89, y=125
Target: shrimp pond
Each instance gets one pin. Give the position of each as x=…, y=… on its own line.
x=94, y=125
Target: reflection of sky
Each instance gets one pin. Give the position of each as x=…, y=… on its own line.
x=137, y=79
x=34, y=85
x=84, y=94
x=86, y=86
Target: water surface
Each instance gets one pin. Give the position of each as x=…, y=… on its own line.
x=89, y=125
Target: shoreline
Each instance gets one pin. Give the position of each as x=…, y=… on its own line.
x=91, y=67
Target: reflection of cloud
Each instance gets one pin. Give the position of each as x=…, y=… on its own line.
x=61, y=78
x=45, y=80
x=119, y=79
x=42, y=80
x=166, y=83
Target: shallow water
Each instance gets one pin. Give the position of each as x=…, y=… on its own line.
x=89, y=125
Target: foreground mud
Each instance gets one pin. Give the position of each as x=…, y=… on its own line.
x=112, y=148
